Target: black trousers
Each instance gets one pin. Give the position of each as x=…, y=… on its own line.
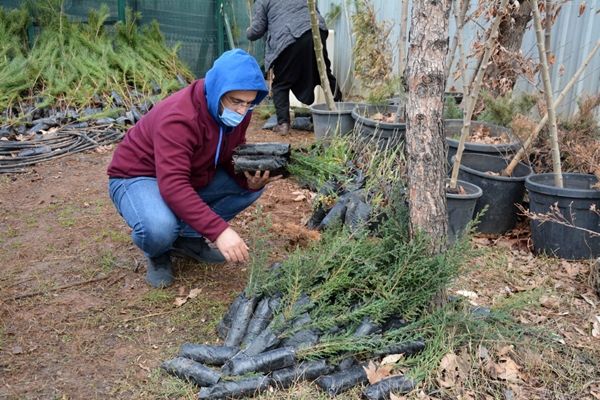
x=296, y=69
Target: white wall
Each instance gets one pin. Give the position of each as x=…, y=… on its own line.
x=572, y=38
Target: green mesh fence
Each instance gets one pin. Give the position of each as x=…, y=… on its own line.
x=191, y=23
x=238, y=12
x=201, y=28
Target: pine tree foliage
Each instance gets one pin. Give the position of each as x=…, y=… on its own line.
x=79, y=64
x=503, y=109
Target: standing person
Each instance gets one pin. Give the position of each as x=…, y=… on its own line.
x=290, y=51
x=172, y=177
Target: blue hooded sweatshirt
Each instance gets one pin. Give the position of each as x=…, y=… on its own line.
x=182, y=141
x=234, y=70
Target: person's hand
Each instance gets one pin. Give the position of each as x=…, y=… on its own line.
x=258, y=181
x=232, y=246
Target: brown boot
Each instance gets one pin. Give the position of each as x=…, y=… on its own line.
x=283, y=129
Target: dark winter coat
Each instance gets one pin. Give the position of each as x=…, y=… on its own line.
x=283, y=21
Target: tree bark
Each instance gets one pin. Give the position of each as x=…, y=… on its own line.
x=425, y=140
x=314, y=24
x=510, y=37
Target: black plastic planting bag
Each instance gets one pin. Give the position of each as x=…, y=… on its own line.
x=407, y=348
x=303, y=303
x=357, y=182
x=235, y=389
x=266, y=340
x=207, y=354
x=316, y=217
x=239, y=321
x=394, y=384
x=263, y=149
x=341, y=381
x=347, y=363
x=252, y=163
x=263, y=362
x=302, y=124
x=263, y=313
x=192, y=371
x=225, y=323
x=336, y=214
x=357, y=214
x=367, y=328
x=308, y=370
x=394, y=323
x=302, y=339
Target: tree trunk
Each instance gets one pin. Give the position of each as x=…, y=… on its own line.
x=510, y=37
x=474, y=89
x=316, y=34
x=425, y=141
x=545, y=72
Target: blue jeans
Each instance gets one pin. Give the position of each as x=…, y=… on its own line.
x=154, y=226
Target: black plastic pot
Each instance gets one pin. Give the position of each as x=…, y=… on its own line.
x=574, y=201
x=329, y=123
x=386, y=135
x=500, y=193
x=461, y=208
x=453, y=127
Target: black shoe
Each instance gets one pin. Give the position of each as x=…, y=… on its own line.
x=159, y=273
x=198, y=249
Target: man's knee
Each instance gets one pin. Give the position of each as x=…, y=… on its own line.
x=155, y=236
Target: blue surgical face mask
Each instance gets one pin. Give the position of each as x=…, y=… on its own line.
x=231, y=118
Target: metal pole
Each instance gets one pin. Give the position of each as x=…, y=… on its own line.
x=121, y=10
x=220, y=33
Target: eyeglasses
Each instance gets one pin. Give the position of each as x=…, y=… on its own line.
x=248, y=105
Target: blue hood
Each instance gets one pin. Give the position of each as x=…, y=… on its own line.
x=233, y=70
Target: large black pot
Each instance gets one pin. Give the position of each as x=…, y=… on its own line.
x=500, y=193
x=386, y=135
x=574, y=201
x=460, y=209
x=453, y=127
x=330, y=123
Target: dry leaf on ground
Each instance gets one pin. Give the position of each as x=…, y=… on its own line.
x=452, y=370
x=375, y=374
x=505, y=369
x=181, y=300
x=549, y=302
x=392, y=359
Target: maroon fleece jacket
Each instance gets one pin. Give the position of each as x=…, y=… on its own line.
x=176, y=142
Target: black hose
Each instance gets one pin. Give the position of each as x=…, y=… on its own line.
x=14, y=156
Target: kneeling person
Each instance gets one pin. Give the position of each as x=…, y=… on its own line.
x=172, y=177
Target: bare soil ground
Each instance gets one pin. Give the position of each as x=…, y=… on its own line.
x=79, y=322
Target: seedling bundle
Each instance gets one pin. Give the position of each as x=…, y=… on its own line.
x=73, y=85
x=272, y=157
x=322, y=314
x=356, y=295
